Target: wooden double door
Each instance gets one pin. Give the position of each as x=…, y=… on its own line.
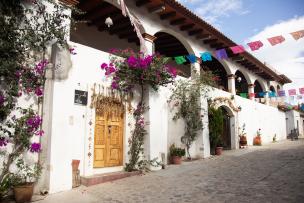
x=108, y=140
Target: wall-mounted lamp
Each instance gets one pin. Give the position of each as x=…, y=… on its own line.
x=109, y=21
x=239, y=79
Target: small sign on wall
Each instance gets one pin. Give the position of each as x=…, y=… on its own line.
x=81, y=97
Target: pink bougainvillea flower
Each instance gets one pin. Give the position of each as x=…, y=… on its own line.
x=39, y=133
x=172, y=71
x=34, y=122
x=29, y=90
x=104, y=66
x=132, y=61
x=110, y=70
x=3, y=142
x=114, y=85
x=39, y=92
x=35, y=147
x=18, y=73
x=113, y=51
x=40, y=67
x=72, y=51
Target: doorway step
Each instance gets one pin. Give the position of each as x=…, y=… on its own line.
x=106, y=177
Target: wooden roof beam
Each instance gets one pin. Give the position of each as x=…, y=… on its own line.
x=186, y=27
x=203, y=36
x=217, y=45
x=126, y=34
x=156, y=9
x=120, y=27
x=178, y=21
x=168, y=15
x=195, y=32
x=140, y=3
x=208, y=41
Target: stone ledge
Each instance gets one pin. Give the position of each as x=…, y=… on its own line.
x=106, y=177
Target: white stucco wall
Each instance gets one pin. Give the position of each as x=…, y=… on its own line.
x=269, y=119
x=73, y=136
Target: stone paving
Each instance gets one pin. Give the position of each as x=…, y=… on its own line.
x=272, y=173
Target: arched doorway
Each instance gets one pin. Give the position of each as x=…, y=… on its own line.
x=169, y=46
x=226, y=135
x=258, y=89
x=241, y=83
x=272, y=89
x=219, y=71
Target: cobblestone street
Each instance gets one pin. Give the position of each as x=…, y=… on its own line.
x=272, y=173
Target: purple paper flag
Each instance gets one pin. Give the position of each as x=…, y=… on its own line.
x=281, y=93
x=221, y=54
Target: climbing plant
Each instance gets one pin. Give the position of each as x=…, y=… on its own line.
x=216, y=120
x=186, y=97
x=128, y=70
x=27, y=29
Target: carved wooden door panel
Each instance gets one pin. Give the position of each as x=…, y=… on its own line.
x=100, y=141
x=114, y=141
x=108, y=146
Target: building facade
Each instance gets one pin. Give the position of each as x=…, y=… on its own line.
x=76, y=131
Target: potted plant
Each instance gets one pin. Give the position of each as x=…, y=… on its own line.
x=216, y=120
x=219, y=148
x=23, y=181
x=176, y=154
x=242, y=136
x=257, y=139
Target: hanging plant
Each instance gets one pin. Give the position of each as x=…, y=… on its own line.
x=128, y=69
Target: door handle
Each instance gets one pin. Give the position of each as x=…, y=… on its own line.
x=109, y=130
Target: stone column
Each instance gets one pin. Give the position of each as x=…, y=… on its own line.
x=267, y=98
x=148, y=44
x=251, y=91
x=231, y=84
x=156, y=117
x=195, y=69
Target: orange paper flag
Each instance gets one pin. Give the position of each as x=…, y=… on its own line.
x=276, y=40
x=297, y=35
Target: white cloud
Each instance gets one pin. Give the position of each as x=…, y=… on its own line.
x=212, y=11
x=287, y=57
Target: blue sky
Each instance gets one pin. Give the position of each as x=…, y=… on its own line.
x=240, y=19
x=250, y=20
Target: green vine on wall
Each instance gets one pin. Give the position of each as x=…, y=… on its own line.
x=186, y=97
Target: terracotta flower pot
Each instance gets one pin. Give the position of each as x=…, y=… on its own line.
x=24, y=193
x=243, y=141
x=257, y=140
x=176, y=160
x=218, y=150
x=75, y=164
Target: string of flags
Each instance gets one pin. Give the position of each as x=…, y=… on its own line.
x=222, y=53
x=281, y=93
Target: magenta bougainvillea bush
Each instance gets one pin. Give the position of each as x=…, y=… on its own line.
x=129, y=69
